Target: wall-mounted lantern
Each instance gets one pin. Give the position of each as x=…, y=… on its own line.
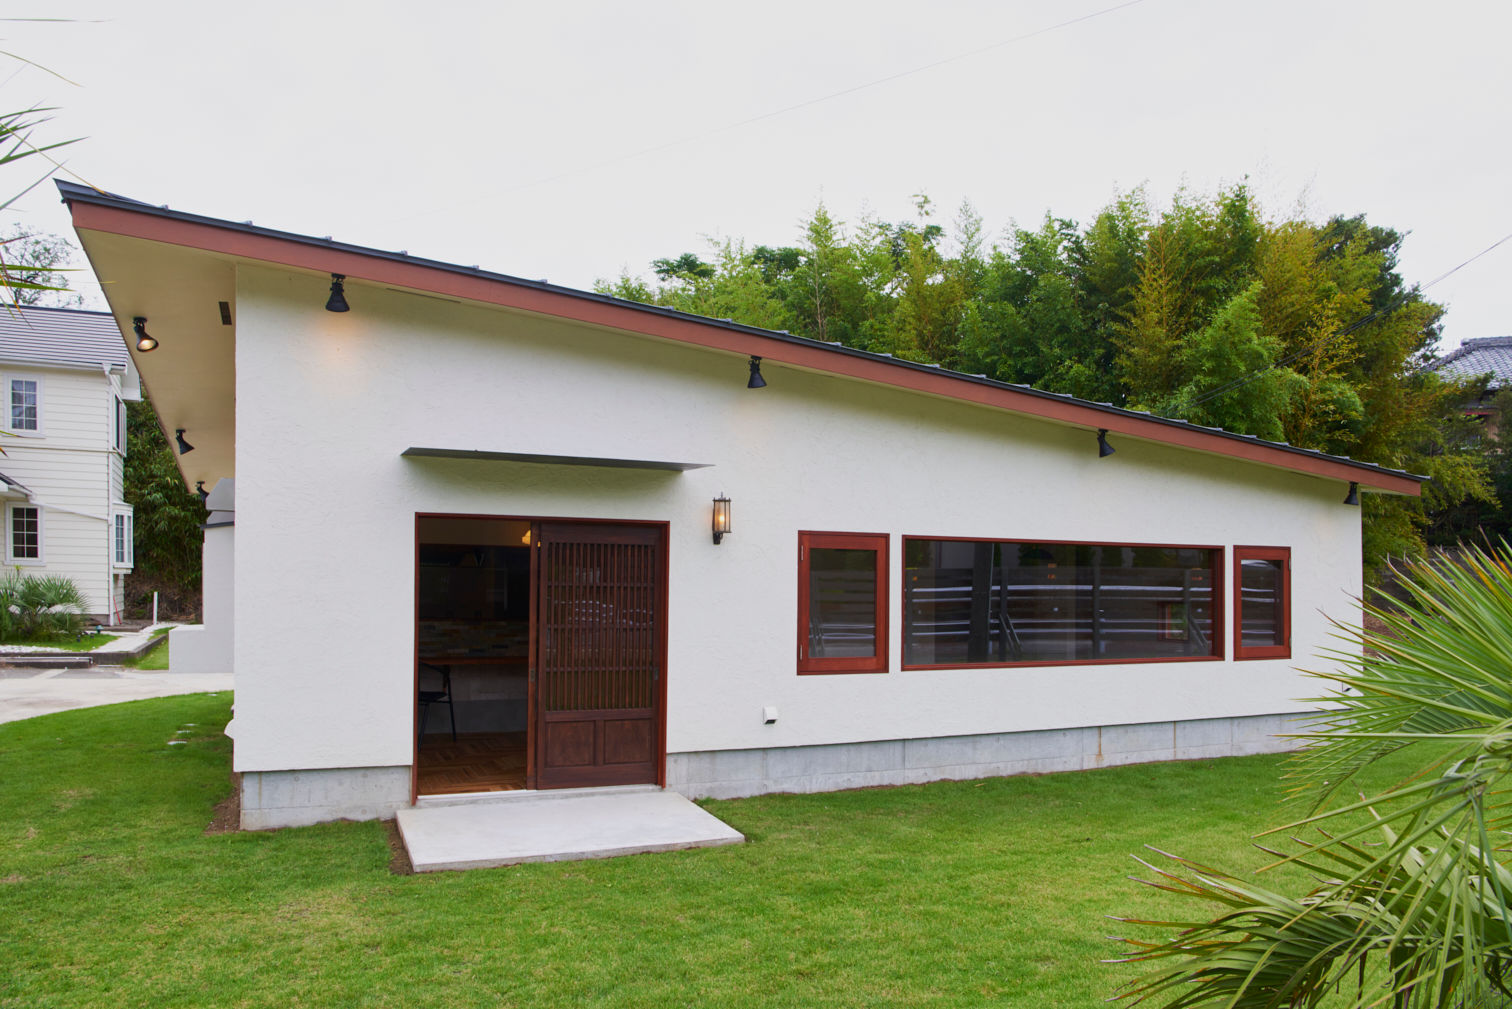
x=721, y=518
x=1353, y=497
x=1103, y=448
x=183, y=446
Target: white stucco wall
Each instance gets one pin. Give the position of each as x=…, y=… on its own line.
x=206, y=647
x=325, y=517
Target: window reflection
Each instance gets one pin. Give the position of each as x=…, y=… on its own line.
x=995, y=602
x=842, y=603
x=1262, y=617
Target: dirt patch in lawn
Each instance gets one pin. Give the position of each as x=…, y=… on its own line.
x=227, y=816
x=399, y=860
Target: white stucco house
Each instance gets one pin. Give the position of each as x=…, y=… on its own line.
x=512, y=535
x=66, y=377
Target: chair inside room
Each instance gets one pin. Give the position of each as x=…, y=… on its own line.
x=435, y=688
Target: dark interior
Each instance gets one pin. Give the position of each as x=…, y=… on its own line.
x=473, y=637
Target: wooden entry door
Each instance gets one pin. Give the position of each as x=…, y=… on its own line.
x=597, y=654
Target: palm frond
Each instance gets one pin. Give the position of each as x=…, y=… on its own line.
x=1409, y=906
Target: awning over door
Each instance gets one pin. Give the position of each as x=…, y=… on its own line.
x=416, y=452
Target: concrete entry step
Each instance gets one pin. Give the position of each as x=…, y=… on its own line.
x=35, y=661
x=556, y=827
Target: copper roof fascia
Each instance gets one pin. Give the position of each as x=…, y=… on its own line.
x=96, y=211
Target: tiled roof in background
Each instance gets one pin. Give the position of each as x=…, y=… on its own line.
x=1480, y=355
x=64, y=336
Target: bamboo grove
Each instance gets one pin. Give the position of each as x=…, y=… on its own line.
x=1206, y=310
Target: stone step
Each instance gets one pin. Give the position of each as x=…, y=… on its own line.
x=548, y=827
x=79, y=661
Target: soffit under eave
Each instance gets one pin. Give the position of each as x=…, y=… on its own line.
x=191, y=376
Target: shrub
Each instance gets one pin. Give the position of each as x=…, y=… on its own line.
x=39, y=607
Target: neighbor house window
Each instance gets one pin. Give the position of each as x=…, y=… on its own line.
x=842, y=603
x=120, y=425
x=1262, y=602
x=23, y=534
x=25, y=394
x=1003, y=602
x=121, y=550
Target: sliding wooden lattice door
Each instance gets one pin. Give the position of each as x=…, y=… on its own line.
x=599, y=647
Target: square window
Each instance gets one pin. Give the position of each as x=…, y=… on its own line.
x=842, y=603
x=1262, y=602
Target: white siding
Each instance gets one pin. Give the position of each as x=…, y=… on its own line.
x=74, y=474
x=326, y=506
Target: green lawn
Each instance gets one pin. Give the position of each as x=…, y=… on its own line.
x=155, y=657
x=953, y=894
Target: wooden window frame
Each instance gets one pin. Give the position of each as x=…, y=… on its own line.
x=10, y=536
x=1219, y=612
x=1258, y=553
x=878, y=544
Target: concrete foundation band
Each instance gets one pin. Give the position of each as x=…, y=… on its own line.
x=271, y=799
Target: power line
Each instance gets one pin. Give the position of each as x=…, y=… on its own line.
x=921, y=69
x=1364, y=320
x=809, y=103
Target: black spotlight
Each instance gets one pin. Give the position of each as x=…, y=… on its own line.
x=145, y=340
x=199, y=488
x=1103, y=448
x=1353, y=497
x=184, y=447
x=756, y=382
x=337, y=301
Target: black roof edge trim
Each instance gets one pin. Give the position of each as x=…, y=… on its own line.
x=71, y=192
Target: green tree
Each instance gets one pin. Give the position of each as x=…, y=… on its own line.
x=1230, y=349
x=1479, y=519
x=929, y=297
x=20, y=253
x=37, y=264
x=1207, y=311
x=1410, y=902
x=168, y=518
x=686, y=267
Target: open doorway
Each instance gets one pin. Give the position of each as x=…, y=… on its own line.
x=539, y=651
x=473, y=651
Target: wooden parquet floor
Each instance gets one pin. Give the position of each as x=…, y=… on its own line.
x=476, y=762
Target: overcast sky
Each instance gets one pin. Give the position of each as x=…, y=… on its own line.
x=571, y=140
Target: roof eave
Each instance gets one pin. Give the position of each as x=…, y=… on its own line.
x=94, y=210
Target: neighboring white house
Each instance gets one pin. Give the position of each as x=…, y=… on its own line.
x=508, y=495
x=65, y=378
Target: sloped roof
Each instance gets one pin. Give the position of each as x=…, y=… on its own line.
x=60, y=336
x=97, y=213
x=9, y=486
x=1480, y=355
